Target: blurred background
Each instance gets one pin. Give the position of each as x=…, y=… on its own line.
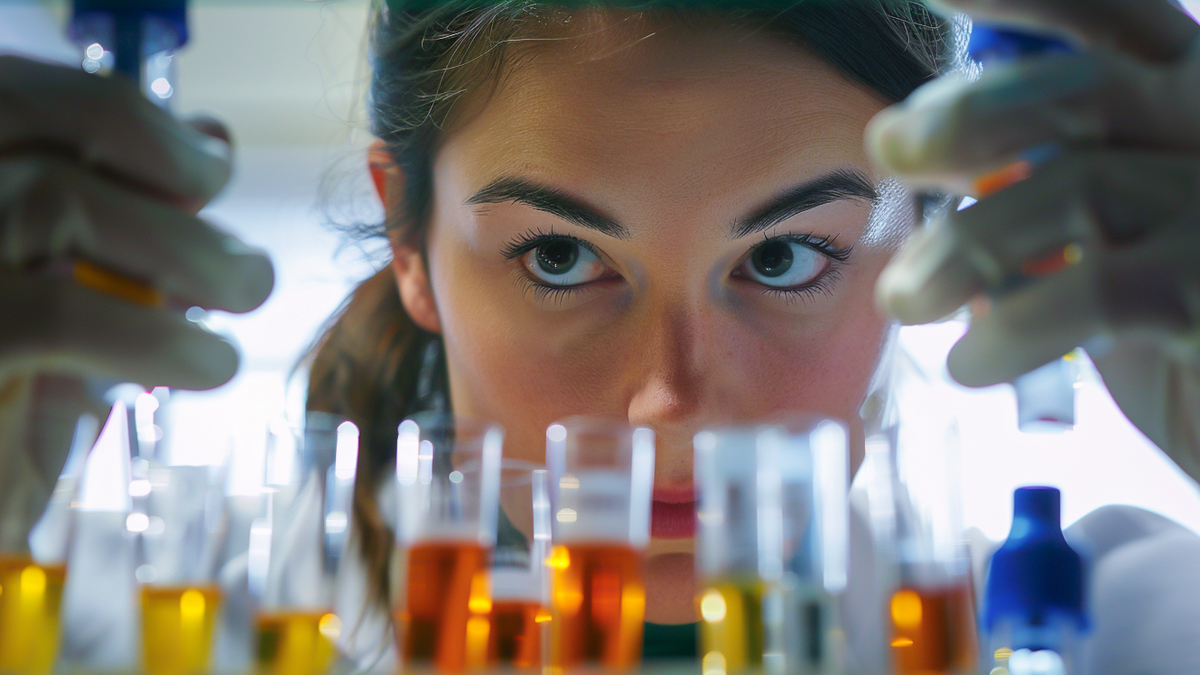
x=288, y=78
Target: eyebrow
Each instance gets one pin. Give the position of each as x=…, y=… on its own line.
x=835, y=186
x=555, y=202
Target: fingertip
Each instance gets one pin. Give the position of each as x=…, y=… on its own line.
x=207, y=363
x=970, y=368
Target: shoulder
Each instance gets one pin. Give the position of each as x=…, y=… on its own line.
x=1144, y=592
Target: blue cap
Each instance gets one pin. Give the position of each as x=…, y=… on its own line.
x=1036, y=577
x=991, y=43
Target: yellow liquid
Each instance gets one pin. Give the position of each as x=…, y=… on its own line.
x=177, y=628
x=296, y=643
x=30, y=596
x=731, y=627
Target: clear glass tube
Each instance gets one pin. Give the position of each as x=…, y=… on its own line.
x=917, y=519
x=602, y=478
x=180, y=535
x=448, y=473
x=519, y=583
x=740, y=554
x=773, y=546
x=814, y=468
x=304, y=536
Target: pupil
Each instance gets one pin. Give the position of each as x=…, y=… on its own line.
x=773, y=259
x=557, y=257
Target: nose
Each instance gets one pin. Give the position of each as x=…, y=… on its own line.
x=670, y=392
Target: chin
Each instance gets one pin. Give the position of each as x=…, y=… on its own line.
x=670, y=585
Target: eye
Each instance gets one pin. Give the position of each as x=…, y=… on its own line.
x=779, y=263
x=563, y=262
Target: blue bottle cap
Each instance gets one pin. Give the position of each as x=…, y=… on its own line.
x=992, y=43
x=1036, y=577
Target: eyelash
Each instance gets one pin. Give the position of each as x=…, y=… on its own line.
x=822, y=285
x=527, y=241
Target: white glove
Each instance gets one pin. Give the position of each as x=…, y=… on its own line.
x=90, y=170
x=1120, y=204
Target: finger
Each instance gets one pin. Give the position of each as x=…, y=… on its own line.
x=1154, y=30
x=108, y=124
x=952, y=133
x=51, y=208
x=1085, y=200
x=1145, y=289
x=1028, y=328
x=70, y=329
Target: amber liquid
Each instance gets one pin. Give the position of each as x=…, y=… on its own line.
x=177, y=628
x=516, y=634
x=731, y=627
x=933, y=631
x=444, y=618
x=599, y=601
x=296, y=642
x=30, y=596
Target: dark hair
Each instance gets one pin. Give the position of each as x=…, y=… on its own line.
x=373, y=365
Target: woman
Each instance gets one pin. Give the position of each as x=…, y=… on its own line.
x=655, y=215
x=662, y=215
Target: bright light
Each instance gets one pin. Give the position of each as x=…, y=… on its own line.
x=137, y=522
x=161, y=88
x=712, y=606
x=139, y=487
x=335, y=522
x=566, y=515
x=556, y=433
x=456, y=477
x=94, y=51
x=347, y=451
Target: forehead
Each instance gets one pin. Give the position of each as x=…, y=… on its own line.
x=677, y=109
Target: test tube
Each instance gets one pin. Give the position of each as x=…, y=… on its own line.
x=448, y=472
x=33, y=570
x=520, y=588
x=601, y=480
x=295, y=625
x=814, y=467
x=180, y=532
x=740, y=561
x=916, y=515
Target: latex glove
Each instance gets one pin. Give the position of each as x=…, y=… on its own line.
x=91, y=170
x=1124, y=195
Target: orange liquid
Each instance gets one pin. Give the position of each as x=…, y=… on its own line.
x=297, y=642
x=30, y=596
x=177, y=628
x=516, y=637
x=443, y=620
x=933, y=631
x=599, y=603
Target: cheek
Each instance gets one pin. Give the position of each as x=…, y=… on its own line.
x=821, y=364
x=522, y=368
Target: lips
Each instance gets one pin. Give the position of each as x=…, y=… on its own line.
x=673, y=513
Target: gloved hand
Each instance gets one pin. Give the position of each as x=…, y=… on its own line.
x=90, y=170
x=1113, y=222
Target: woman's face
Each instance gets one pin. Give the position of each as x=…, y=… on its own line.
x=671, y=226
